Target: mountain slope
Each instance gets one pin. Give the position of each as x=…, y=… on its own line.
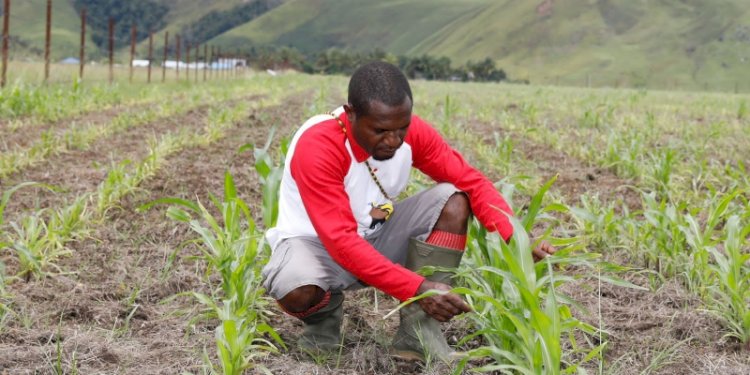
x=670, y=43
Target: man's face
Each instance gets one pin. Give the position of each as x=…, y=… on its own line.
x=381, y=131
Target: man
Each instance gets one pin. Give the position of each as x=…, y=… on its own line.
x=340, y=226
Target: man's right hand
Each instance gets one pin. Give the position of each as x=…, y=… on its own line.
x=441, y=307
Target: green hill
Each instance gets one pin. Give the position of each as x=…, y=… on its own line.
x=670, y=43
x=660, y=44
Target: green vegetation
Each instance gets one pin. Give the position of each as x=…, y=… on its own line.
x=217, y=22
x=670, y=44
x=144, y=14
x=645, y=193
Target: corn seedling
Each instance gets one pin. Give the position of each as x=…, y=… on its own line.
x=599, y=224
x=31, y=243
x=69, y=223
x=731, y=300
x=519, y=313
x=269, y=173
x=233, y=247
x=702, y=240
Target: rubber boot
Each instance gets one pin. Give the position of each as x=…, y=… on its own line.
x=322, y=332
x=419, y=335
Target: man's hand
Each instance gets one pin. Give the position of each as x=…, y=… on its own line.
x=441, y=307
x=542, y=251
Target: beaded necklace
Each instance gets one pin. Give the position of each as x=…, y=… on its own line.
x=369, y=168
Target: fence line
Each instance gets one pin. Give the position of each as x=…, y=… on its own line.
x=195, y=60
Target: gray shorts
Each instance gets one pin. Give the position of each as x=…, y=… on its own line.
x=302, y=261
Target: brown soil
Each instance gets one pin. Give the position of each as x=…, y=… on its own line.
x=575, y=177
x=117, y=310
x=125, y=270
x=666, y=331
x=31, y=130
x=76, y=172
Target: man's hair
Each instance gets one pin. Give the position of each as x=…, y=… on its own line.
x=377, y=81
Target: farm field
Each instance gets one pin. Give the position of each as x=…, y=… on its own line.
x=127, y=248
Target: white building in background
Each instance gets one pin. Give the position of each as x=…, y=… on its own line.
x=141, y=63
x=171, y=64
x=227, y=63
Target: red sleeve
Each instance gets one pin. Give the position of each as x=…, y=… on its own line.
x=433, y=156
x=318, y=166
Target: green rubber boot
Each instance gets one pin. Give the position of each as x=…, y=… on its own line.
x=419, y=335
x=322, y=332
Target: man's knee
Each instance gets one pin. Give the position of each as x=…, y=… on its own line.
x=302, y=298
x=455, y=215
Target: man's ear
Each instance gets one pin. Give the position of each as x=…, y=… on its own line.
x=350, y=113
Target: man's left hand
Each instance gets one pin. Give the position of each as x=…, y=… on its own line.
x=542, y=251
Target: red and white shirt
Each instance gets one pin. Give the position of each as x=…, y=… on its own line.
x=327, y=192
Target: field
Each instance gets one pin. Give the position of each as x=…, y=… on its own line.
x=126, y=247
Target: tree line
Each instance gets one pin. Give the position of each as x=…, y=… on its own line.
x=339, y=61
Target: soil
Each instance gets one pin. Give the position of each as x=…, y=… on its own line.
x=75, y=172
x=118, y=308
x=31, y=129
x=666, y=331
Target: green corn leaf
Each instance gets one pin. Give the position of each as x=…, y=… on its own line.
x=230, y=190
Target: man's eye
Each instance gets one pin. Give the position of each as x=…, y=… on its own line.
x=379, y=131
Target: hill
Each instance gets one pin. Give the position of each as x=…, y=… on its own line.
x=691, y=44
x=670, y=43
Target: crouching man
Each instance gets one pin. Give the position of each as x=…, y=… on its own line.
x=341, y=226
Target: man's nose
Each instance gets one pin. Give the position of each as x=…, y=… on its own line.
x=392, y=139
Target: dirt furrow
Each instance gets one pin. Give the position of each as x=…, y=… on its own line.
x=31, y=130
x=126, y=271
x=76, y=172
x=575, y=177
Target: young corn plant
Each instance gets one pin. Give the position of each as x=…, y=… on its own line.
x=31, y=243
x=270, y=173
x=662, y=236
x=702, y=240
x=233, y=247
x=731, y=300
x=597, y=223
x=518, y=311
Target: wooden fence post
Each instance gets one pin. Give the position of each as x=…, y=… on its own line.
x=133, y=32
x=178, y=55
x=82, y=57
x=164, y=63
x=150, y=54
x=111, y=49
x=6, y=21
x=47, y=39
